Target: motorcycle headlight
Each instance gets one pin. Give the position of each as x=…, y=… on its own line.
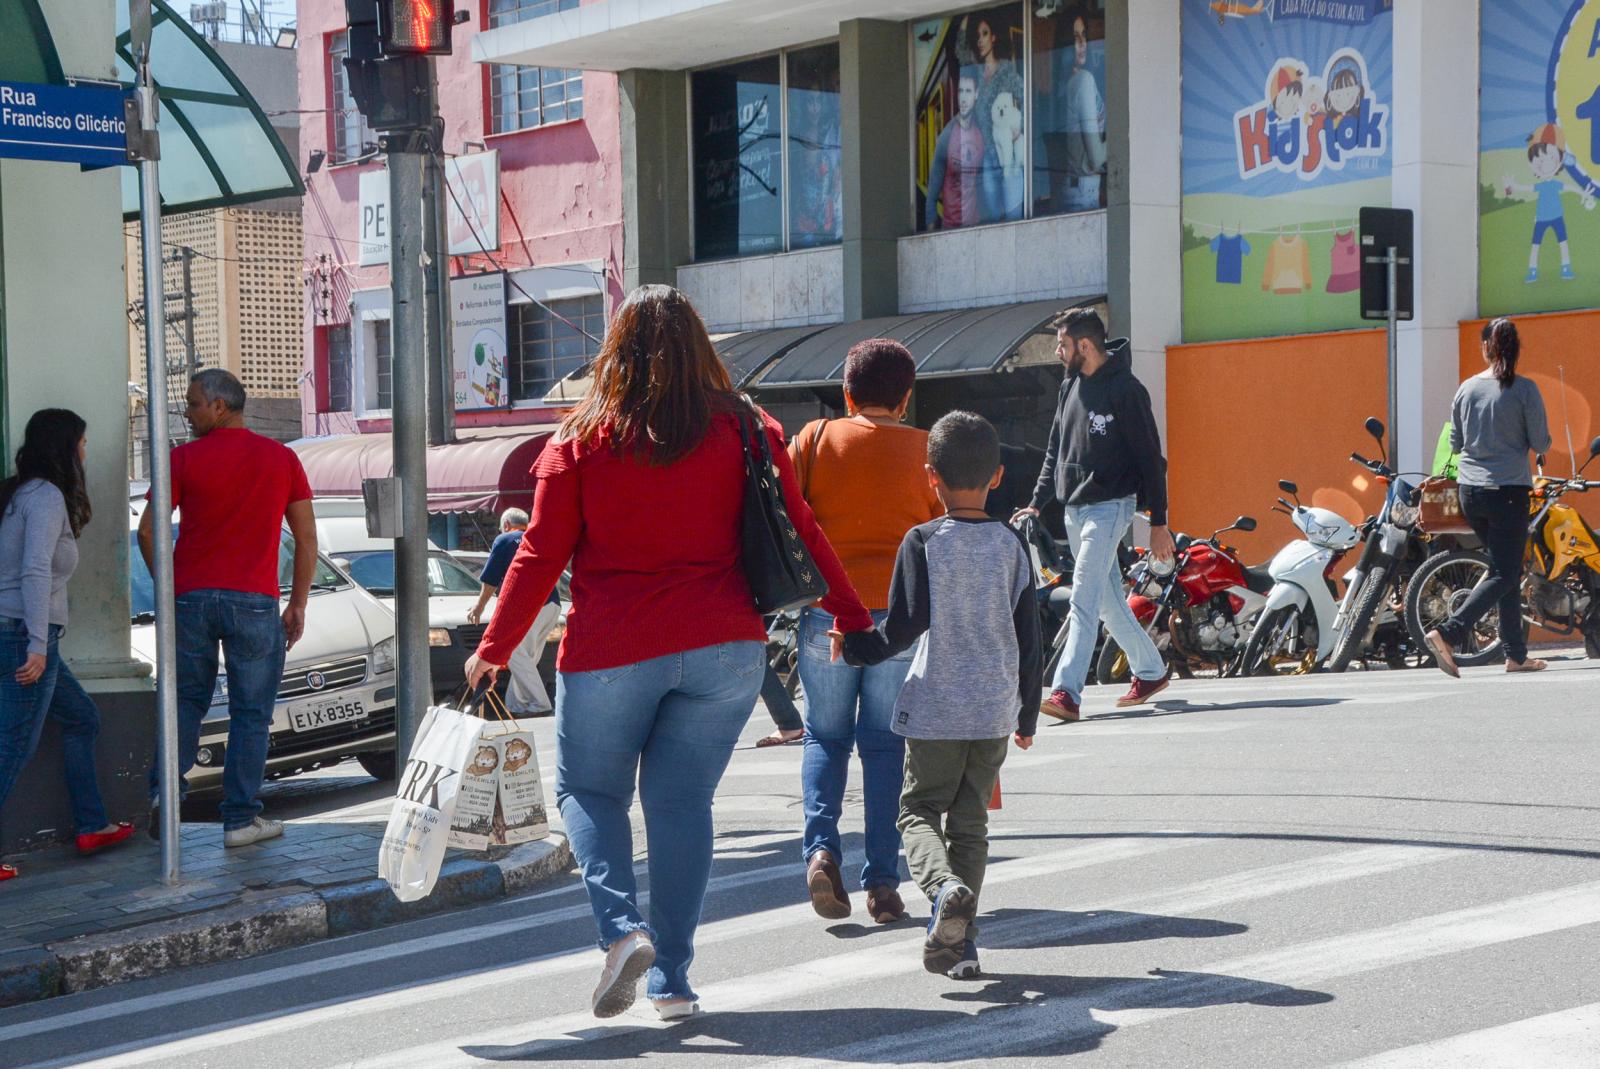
x=383, y=656
x=1404, y=515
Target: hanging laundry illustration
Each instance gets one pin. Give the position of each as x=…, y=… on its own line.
x=1288, y=267
x=1230, y=251
x=1344, y=263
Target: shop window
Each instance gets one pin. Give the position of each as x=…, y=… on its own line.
x=383, y=363
x=1010, y=113
x=352, y=137
x=549, y=341
x=521, y=98
x=761, y=186
x=341, y=398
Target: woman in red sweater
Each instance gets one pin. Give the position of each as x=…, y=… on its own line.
x=643, y=492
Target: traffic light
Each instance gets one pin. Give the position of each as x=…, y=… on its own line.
x=415, y=27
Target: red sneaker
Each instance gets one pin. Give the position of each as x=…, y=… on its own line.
x=7, y=872
x=1143, y=690
x=1061, y=706
x=95, y=841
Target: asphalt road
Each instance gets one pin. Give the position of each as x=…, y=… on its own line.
x=1375, y=869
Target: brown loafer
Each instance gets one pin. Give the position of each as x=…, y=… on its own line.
x=1442, y=653
x=828, y=895
x=1532, y=664
x=885, y=905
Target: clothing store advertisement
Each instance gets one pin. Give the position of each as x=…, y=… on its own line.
x=1287, y=134
x=1539, y=157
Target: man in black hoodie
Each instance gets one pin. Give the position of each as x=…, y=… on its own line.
x=1103, y=462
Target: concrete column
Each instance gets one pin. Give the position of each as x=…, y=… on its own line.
x=1143, y=247
x=875, y=162
x=656, y=234
x=1436, y=176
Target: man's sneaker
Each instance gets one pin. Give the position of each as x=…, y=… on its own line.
x=627, y=960
x=967, y=967
x=1143, y=690
x=885, y=905
x=828, y=896
x=954, y=908
x=1060, y=705
x=258, y=830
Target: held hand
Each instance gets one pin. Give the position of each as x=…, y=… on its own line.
x=1029, y=511
x=1024, y=742
x=477, y=668
x=294, y=625
x=835, y=645
x=32, y=669
x=1161, y=544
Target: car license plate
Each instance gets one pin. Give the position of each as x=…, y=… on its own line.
x=327, y=714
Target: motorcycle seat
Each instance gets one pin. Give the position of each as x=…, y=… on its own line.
x=1257, y=581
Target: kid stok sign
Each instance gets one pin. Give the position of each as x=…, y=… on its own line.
x=1304, y=122
x=66, y=123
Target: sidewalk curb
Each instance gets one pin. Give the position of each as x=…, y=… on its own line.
x=274, y=921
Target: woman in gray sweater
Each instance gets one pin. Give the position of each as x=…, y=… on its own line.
x=1497, y=419
x=43, y=509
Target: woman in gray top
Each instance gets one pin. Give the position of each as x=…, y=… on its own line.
x=1497, y=419
x=43, y=509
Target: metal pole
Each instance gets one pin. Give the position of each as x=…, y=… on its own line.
x=436, y=252
x=408, y=280
x=155, y=337
x=1393, y=261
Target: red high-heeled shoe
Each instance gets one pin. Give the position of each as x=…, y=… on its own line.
x=95, y=841
x=7, y=872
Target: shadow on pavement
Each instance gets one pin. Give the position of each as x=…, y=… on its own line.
x=1100, y=926
x=1179, y=706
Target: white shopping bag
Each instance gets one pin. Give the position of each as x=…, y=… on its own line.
x=501, y=801
x=413, y=844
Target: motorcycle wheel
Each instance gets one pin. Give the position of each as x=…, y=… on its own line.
x=1112, y=664
x=1373, y=586
x=1438, y=588
x=1267, y=640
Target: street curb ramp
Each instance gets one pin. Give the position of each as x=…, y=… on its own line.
x=264, y=922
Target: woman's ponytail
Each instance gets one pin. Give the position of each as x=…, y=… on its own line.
x=1502, y=349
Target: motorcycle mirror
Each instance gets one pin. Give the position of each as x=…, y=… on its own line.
x=1594, y=449
x=1288, y=487
x=1244, y=523
x=1375, y=428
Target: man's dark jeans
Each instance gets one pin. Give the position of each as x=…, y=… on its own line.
x=249, y=630
x=1499, y=517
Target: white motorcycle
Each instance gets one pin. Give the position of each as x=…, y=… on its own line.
x=1300, y=623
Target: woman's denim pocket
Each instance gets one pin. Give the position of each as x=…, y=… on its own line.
x=743, y=659
x=607, y=676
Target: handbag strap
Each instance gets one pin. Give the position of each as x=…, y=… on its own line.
x=811, y=457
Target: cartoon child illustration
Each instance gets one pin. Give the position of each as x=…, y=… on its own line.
x=1286, y=89
x=1547, y=156
x=1345, y=93
x=957, y=160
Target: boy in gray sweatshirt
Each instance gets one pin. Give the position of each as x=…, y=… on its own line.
x=963, y=591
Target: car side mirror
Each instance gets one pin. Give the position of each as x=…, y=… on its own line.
x=1288, y=487
x=1244, y=523
x=343, y=562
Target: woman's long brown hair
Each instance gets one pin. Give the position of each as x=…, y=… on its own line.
x=657, y=380
x=1504, y=348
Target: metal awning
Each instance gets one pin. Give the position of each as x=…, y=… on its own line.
x=963, y=342
x=487, y=468
x=217, y=147
x=746, y=354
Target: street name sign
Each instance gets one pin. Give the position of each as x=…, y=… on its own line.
x=66, y=123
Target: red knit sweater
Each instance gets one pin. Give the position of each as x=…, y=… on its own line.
x=654, y=552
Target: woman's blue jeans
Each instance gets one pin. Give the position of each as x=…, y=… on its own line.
x=669, y=724
x=23, y=710
x=851, y=707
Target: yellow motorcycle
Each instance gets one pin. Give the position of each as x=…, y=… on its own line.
x=1560, y=585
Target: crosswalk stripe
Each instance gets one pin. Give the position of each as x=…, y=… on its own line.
x=551, y=965
x=897, y=956
x=1568, y=1039
x=1275, y=972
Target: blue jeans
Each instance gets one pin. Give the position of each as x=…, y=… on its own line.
x=23, y=710
x=848, y=707
x=669, y=723
x=1095, y=532
x=249, y=630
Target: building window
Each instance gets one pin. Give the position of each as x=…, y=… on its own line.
x=521, y=98
x=1010, y=114
x=340, y=396
x=816, y=196
x=383, y=363
x=351, y=134
x=552, y=340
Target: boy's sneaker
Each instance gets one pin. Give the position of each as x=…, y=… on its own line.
x=1143, y=690
x=258, y=830
x=1060, y=705
x=967, y=967
x=1566, y=272
x=954, y=908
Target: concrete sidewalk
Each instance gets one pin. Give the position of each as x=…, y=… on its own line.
x=70, y=924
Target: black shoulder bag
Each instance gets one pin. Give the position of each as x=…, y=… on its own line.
x=778, y=566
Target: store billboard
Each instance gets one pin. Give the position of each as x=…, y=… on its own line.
x=472, y=208
x=1539, y=156
x=1287, y=134
x=478, y=341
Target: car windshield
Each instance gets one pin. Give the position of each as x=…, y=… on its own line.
x=375, y=571
x=142, y=587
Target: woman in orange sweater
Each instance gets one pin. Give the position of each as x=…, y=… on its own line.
x=864, y=478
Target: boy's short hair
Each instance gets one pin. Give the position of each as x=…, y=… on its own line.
x=964, y=448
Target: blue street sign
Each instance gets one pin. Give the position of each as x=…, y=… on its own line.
x=68, y=123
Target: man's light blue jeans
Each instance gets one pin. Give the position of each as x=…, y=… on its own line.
x=669, y=724
x=1095, y=531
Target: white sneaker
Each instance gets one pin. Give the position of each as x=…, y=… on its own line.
x=627, y=960
x=677, y=1009
x=258, y=830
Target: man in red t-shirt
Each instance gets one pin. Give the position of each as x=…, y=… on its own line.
x=233, y=490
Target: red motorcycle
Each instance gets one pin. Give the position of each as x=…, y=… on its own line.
x=1199, y=608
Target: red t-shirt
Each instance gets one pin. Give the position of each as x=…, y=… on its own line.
x=654, y=552
x=232, y=488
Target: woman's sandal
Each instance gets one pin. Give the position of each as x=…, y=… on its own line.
x=1532, y=664
x=7, y=872
x=779, y=738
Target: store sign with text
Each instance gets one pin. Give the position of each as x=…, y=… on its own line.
x=472, y=208
x=478, y=341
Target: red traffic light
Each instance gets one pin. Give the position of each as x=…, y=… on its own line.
x=415, y=27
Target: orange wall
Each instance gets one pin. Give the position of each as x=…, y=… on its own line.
x=1243, y=414
x=1569, y=340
